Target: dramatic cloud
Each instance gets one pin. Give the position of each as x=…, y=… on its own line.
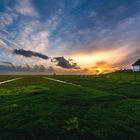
x=30, y=53
x=64, y=63
x=105, y=31
x=103, y=67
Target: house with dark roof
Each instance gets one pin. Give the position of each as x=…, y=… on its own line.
x=136, y=65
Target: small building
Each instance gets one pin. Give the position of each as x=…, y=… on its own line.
x=136, y=65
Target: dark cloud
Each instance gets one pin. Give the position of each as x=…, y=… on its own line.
x=40, y=68
x=5, y=62
x=64, y=63
x=26, y=68
x=51, y=69
x=28, y=53
x=37, y=69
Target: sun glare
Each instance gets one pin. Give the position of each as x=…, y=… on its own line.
x=99, y=70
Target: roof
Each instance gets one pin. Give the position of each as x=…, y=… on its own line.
x=137, y=63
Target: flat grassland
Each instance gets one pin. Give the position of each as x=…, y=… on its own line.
x=105, y=107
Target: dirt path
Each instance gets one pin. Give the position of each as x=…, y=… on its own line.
x=7, y=81
x=60, y=81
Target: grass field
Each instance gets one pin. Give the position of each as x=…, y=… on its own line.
x=105, y=107
x=6, y=77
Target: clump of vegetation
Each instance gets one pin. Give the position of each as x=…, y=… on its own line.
x=72, y=124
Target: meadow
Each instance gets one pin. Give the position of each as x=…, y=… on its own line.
x=103, y=107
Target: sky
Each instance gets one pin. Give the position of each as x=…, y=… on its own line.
x=69, y=36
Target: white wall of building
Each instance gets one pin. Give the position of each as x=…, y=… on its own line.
x=136, y=68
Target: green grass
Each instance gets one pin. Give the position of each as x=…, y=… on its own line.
x=34, y=108
x=7, y=77
x=127, y=84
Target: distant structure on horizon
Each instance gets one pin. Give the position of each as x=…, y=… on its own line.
x=136, y=65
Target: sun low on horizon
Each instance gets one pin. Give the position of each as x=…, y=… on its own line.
x=69, y=36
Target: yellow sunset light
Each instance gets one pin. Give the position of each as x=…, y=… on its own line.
x=99, y=70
